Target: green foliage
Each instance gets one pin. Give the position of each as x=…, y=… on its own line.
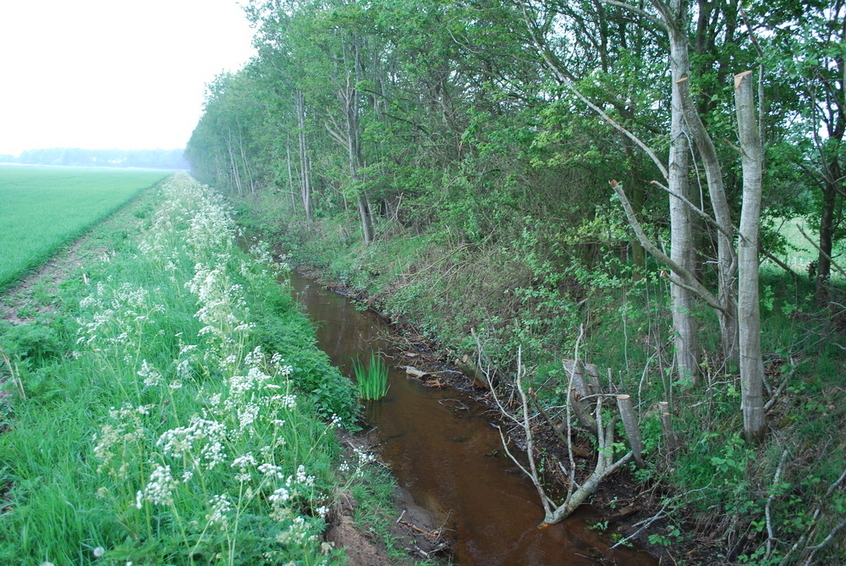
x=495, y=227
x=372, y=380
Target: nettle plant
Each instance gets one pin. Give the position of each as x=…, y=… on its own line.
x=208, y=455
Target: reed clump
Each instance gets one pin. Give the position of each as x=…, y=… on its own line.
x=373, y=379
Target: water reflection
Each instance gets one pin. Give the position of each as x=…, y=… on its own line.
x=443, y=450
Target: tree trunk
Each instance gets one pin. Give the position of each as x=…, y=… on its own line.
x=233, y=166
x=305, y=161
x=826, y=240
x=350, y=102
x=676, y=17
x=748, y=303
x=681, y=222
x=290, y=175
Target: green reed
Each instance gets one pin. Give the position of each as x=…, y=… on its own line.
x=372, y=380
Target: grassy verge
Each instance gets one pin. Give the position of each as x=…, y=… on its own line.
x=45, y=208
x=172, y=409
x=723, y=502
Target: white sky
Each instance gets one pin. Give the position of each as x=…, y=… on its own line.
x=103, y=74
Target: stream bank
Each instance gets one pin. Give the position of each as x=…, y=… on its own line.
x=435, y=433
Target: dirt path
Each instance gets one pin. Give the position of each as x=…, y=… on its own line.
x=34, y=296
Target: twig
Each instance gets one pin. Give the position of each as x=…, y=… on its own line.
x=835, y=485
x=816, y=548
x=780, y=263
x=830, y=259
x=769, y=505
x=812, y=525
x=769, y=404
x=698, y=211
x=554, y=428
x=644, y=524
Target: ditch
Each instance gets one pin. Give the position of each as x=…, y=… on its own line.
x=445, y=453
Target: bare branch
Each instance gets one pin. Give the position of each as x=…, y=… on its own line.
x=831, y=259
x=687, y=280
x=636, y=10
x=699, y=212
x=768, y=507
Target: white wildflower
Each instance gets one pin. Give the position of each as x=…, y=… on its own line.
x=304, y=479
x=281, y=495
x=158, y=489
x=271, y=471
x=220, y=507
x=242, y=462
x=151, y=376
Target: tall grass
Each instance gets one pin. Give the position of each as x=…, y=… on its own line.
x=166, y=434
x=373, y=379
x=44, y=208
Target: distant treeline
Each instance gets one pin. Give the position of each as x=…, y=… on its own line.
x=147, y=158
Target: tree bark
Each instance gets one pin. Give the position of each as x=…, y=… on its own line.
x=676, y=17
x=748, y=302
x=349, y=99
x=305, y=161
x=826, y=240
x=681, y=222
x=233, y=166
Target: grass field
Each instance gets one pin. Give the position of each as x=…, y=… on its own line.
x=44, y=208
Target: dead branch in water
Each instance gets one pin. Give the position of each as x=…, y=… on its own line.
x=555, y=512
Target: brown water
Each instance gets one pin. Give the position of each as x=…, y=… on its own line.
x=447, y=455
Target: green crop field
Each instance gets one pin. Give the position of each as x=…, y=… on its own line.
x=45, y=208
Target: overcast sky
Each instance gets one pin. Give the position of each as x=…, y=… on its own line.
x=103, y=74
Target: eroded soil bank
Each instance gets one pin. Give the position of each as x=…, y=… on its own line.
x=437, y=434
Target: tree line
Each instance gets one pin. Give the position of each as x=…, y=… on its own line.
x=484, y=117
x=142, y=158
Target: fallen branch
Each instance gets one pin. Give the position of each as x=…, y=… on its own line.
x=769, y=505
x=812, y=525
x=576, y=493
x=769, y=404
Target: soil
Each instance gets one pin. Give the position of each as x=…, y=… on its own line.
x=415, y=530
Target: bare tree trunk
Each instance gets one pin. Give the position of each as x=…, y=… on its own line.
x=290, y=174
x=681, y=226
x=305, y=160
x=351, y=138
x=748, y=302
x=233, y=166
x=826, y=240
x=676, y=16
x=245, y=164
